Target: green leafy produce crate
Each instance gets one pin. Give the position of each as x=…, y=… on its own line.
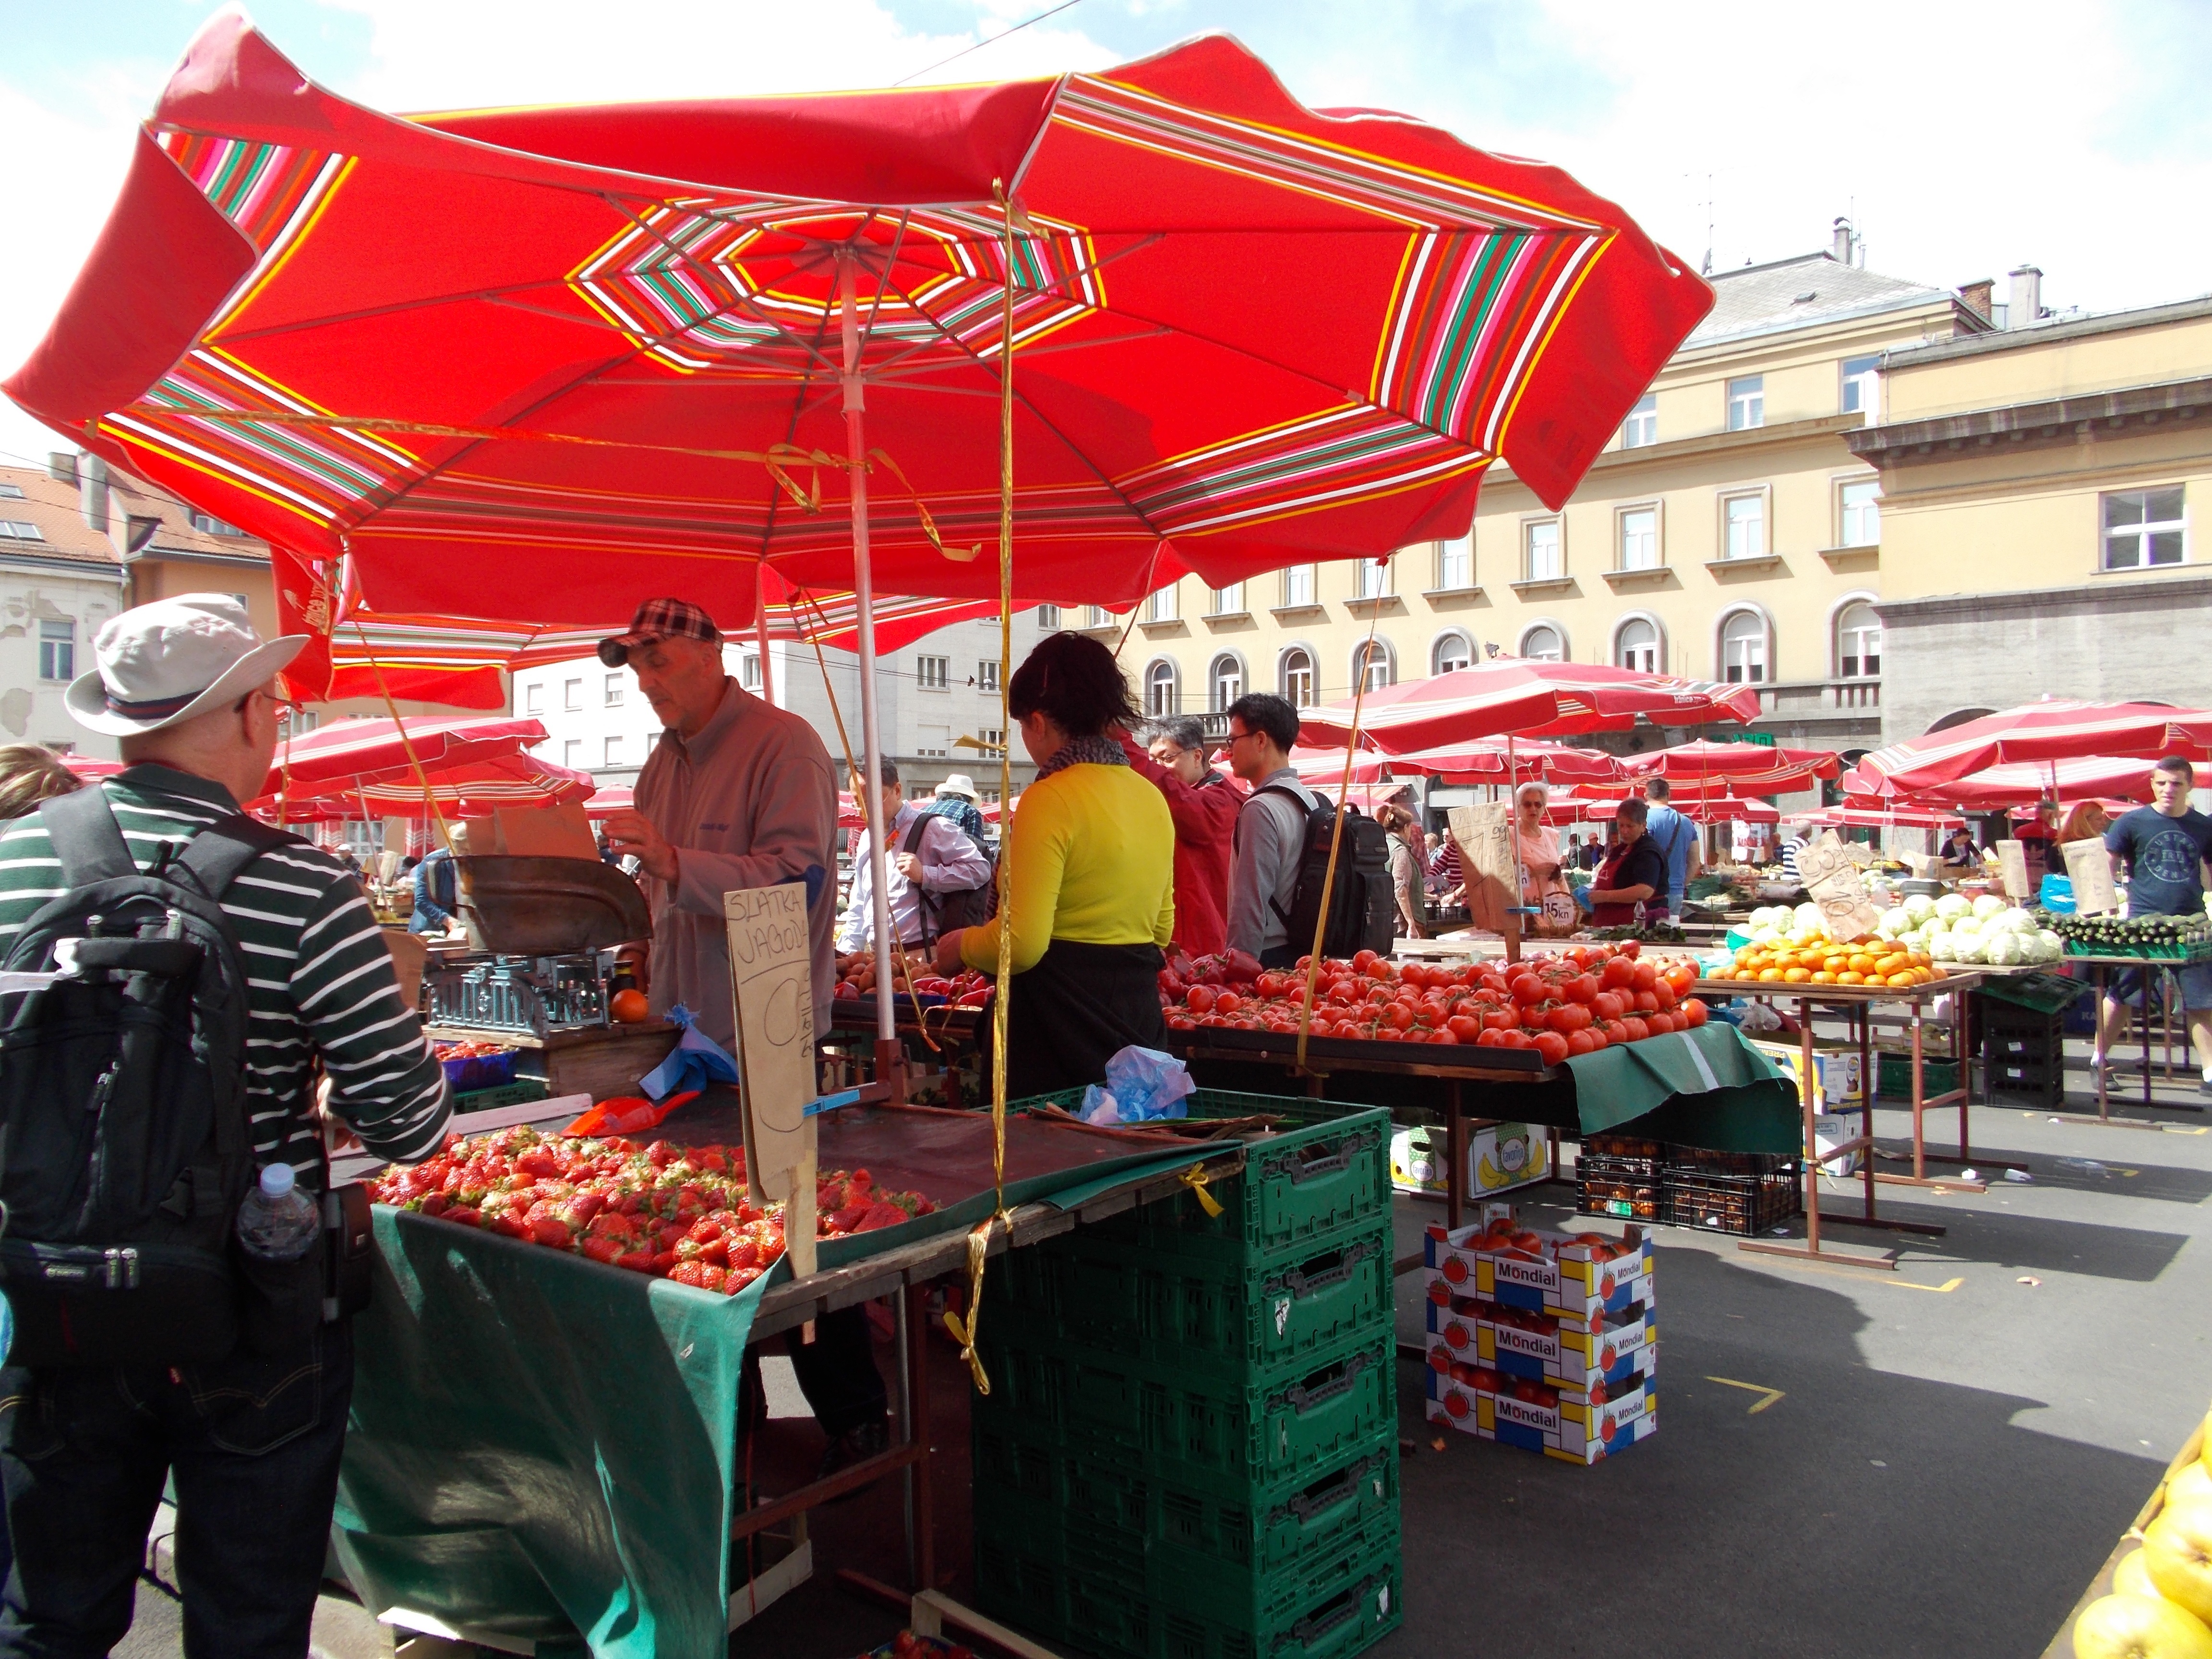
x=1893, y=1076
x=1329, y=1609
x=1333, y=1169
x=2179, y=950
x=1155, y=1418
x=1206, y=1318
x=1086, y=1513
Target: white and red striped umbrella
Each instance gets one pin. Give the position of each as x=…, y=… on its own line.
x=2018, y=783
x=353, y=753
x=1527, y=698
x=2055, y=729
x=605, y=803
x=1721, y=809
x=1748, y=769
x=466, y=788
x=1894, y=818
x=1487, y=761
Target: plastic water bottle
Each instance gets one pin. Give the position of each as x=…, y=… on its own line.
x=278, y=1222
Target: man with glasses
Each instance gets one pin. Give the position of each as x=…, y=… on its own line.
x=1271, y=829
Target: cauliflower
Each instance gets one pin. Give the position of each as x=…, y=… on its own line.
x=2002, y=949
x=1968, y=948
x=1920, y=908
x=1810, y=919
x=1895, y=924
x=1936, y=942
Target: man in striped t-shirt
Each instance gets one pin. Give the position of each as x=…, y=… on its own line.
x=251, y=1440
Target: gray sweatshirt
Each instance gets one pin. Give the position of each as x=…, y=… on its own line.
x=1270, y=838
x=748, y=801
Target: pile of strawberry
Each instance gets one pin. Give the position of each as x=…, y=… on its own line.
x=1561, y=1003
x=672, y=1212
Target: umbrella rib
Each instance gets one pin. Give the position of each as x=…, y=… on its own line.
x=397, y=307
x=719, y=278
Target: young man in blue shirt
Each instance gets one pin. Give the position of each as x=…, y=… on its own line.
x=2164, y=848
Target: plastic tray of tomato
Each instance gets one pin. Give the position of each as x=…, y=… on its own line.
x=1544, y=1009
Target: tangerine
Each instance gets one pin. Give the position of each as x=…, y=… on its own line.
x=627, y=1006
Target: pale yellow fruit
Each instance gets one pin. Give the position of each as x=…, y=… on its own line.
x=2204, y=1455
x=2178, y=1551
x=2139, y=1627
x=2193, y=1485
x=2132, y=1577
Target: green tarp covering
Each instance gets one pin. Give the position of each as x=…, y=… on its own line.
x=542, y=1446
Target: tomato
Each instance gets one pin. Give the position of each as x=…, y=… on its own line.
x=1552, y=1048
x=1513, y=1039
x=1647, y=976
x=1199, y=999
x=1608, y=1004
x=1578, y=1043
x=1598, y=1037
x=1527, y=988
x=1666, y=993
x=1647, y=1002
x=1619, y=971
x=1463, y=1030
x=1568, y=1016
x=1489, y=1039
x=1363, y=961
x=1227, y=1002
x=1398, y=1016
x=1637, y=1028
x=1629, y=947
x=1695, y=1012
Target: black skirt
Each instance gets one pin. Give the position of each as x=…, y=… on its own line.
x=1075, y=1009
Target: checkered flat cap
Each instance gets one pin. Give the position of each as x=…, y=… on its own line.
x=660, y=619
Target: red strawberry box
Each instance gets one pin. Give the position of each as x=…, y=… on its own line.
x=1569, y=1276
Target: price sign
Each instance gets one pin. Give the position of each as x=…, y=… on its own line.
x=2089, y=867
x=1488, y=857
x=2012, y=863
x=1833, y=878
x=772, y=976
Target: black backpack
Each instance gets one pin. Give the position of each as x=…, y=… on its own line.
x=1361, y=905
x=125, y=1145
x=943, y=912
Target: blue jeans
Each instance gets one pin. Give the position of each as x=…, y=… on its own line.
x=252, y=1443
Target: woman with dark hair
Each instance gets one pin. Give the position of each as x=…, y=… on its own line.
x=1092, y=881
x=1406, y=870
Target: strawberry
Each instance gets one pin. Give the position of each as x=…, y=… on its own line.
x=602, y=1249
x=637, y=1261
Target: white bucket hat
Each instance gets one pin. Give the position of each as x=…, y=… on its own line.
x=958, y=784
x=164, y=662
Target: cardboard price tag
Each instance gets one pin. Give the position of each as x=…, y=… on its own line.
x=2089, y=867
x=1489, y=859
x=1833, y=878
x=772, y=976
x=2012, y=864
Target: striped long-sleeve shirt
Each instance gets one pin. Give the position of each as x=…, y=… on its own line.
x=319, y=979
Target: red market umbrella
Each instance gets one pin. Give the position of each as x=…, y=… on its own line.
x=1705, y=767
x=2055, y=729
x=90, y=769
x=350, y=753
x=2019, y=783
x=1528, y=698
x=467, y=788
x=1492, y=762
x=605, y=803
x=1721, y=809
x=1861, y=818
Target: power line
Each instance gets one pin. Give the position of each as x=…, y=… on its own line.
x=986, y=40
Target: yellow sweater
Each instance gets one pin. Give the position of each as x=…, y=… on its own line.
x=1093, y=851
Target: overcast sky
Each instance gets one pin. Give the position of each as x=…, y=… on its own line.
x=1966, y=140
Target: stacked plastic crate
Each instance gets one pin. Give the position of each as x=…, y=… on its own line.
x=1189, y=1450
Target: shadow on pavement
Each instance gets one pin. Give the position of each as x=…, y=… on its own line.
x=2024, y=1241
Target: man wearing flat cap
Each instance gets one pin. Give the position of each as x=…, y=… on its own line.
x=737, y=793
x=251, y=1441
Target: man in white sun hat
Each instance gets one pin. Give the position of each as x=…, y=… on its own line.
x=249, y=1427
x=955, y=798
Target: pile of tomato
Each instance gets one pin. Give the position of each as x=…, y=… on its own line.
x=1560, y=1003
x=671, y=1212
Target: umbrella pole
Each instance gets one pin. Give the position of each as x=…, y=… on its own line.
x=760, y=631
x=888, y=1067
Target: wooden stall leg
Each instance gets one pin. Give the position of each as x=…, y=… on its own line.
x=2099, y=976
x=1865, y=1033
x=1809, y=1164
x=922, y=1512
x=1919, y=1097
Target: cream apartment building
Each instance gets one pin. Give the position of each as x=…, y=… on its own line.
x=1728, y=533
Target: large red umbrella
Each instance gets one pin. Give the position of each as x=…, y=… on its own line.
x=350, y=753
x=2055, y=729
x=2018, y=783
x=1719, y=809
x=1896, y=816
x=1704, y=767
x=467, y=788
x=1497, y=762
x=1528, y=698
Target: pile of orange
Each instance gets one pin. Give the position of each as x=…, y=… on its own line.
x=1824, y=962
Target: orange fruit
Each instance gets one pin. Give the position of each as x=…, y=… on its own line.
x=627, y=1006
x=1850, y=977
x=1796, y=976
x=1900, y=981
x=1824, y=977
x=1770, y=976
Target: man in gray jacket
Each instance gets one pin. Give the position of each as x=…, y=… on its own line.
x=1271, y=830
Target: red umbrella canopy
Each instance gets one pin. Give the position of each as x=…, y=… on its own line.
x=578, y=357
x=1705, y=767
x=1527, y=697
x=466, y=788
x=605, y=803
x=347, y=753
x=1486, y=761
x=2019, y=783
x=2055, y=729
x=1862, y=818
x=1720, y=809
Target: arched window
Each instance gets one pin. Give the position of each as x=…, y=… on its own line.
x=1450, y=651
x=1544, y=643
x=1298, y=677
x=1225, y=682
x=1743, y=648
x=1858, y=641
x=1160, y=689
x=1636, y=645
x=1372, y=665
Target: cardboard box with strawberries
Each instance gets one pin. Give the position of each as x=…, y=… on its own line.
x=1575, y=1276
x=1521, y=1411
x=1592, y=1361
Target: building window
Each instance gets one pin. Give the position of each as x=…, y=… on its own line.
x=1299, y=678
x=1860, y=386
x=1860, y=515
x=57, y=650
x=1372, y=667
x=2143, y=527
x=21, y=528
x=1745, y=517
x=1858, y=641
x=1297, y=585
x=1161, y=606
x=986, y=674
x=208, y=525
x=572, y=694
x=992, y=737
x=1049, y=618
x=1541, y=559
x=933, y=673
x=1743, y=648
x=749, y=670
x=613, y=752
x=1642, y=426
x=932, y=742
x=572, y=754
x=1636, y=645
x=1229, y=601
x=1451, y=651
x=1544, y=644
x=1094, y=616
x=534, y=699
x=1639, y=538
x=1225, y=682
x=614, y=692
x=1746, y=402
x=1374, y=578
x=10, y=492
x=1160, y=689
x=294, y=722
x=1455, y=565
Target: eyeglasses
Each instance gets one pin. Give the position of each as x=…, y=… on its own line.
x=1235, y=737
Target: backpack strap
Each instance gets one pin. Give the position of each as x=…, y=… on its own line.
x=218, y=855
x=86, y=837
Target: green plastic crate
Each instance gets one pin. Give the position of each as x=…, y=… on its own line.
x=1893, y=1075
x=520, y=1092
x=1329, y=1608
x=1155, y=1418
x=1331, y=1170
x=1206, y=1317
x=1092, y=1513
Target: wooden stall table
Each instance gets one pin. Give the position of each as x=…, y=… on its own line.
x=941, y=1033
x=602, y=1061
x=2100, y=973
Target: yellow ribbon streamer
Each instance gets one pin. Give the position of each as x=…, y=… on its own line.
x=1194, y=1178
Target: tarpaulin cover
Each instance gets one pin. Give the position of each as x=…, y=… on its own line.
x=542, y=1446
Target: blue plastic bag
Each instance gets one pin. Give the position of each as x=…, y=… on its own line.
x=1140, y=1084
x=695, y=1061
x=2057, y=894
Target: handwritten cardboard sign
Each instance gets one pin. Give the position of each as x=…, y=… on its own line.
x=1489, y=859
x=772, y=976
x=2089, y=867
x=1834, y=881
x=2012, y=866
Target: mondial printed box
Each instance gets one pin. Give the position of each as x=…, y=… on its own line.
x=1573, y=1280
x=1581, y=1359
x=1562, y=1427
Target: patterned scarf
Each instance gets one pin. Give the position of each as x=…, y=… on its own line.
x=1083, y=751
